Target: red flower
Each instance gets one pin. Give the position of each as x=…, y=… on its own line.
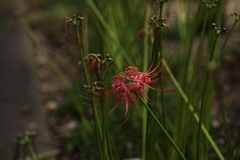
x=129, y=86
x=120, y=94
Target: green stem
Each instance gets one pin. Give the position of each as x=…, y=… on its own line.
x=230, y=32
x=204, y=97
x=103, y=129
x=151, y=125
x=199, y=50
x=79, y=36
x=144, y=136
x=160, y=55
x=233, y=148
x=80, y=49
x=105, y=139
x=201, y=116
x=109, y=150
x=221, y=103
x=145, y=64
x=45, y=155
x=193, y=30
x=180, y=135
x=146, y=37
x=164, y=131
x=194, y=74
x=31, y=152
x=97, y=130
x=191, y=109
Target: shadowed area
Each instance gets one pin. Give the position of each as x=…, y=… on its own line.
x=20, y=109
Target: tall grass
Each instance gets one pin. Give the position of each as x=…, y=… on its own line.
x=200, y=97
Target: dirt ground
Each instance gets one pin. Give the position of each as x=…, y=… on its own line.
x=20, y=107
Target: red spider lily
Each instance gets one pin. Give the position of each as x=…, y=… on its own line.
x=129, y=86
x=120, y=91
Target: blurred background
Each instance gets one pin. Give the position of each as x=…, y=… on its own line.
x=34, y=96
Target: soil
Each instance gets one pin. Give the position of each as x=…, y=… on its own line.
x=20, y=104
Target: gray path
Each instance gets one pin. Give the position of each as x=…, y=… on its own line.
x=19, y=100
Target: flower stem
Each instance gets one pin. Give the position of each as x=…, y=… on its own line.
x=193, y=83
x=103, y=128
x=105, y=139
x=160, y=55
x=31, y=152
x=151, y=125
x=229, y=33
x=145, y=65
x=204, y=97
x=191, y=109
x=79, y=36
x=45, y=155
x=163, y=129
x=97, y=130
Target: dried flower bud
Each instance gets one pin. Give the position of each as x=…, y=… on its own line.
x=218, y=29
x=210, y=4
x=236, y=16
